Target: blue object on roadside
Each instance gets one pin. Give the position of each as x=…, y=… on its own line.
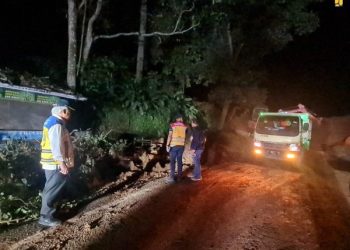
x=6, y=135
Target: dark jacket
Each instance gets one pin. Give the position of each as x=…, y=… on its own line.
x=198, y=138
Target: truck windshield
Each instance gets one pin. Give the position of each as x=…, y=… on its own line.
x=278, y=125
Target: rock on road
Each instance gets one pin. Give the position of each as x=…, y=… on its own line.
x=235, y=206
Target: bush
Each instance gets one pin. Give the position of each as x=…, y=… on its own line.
x=145, y=109
x=92, y=147
x=19, y=162
x=20, y=180
x=132, y=122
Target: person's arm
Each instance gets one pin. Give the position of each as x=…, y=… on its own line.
x=70, y=150
x=170, y=135
x=56, y=140
x=168, y=141
x=189, y=133
x=204, y=135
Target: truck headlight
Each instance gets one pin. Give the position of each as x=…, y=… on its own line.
x=258, y=151
x=257, y=144
x=294, y=147
x=291, y=156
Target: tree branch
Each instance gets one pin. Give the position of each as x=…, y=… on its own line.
x=157, y=33
x=82, y=3
x=180, y=17
x=116, y=35
x=171, y=33
x=97, y=12
x=82, y=37
x=89, y=32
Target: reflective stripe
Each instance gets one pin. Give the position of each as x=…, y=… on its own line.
x=50, y=166
x=177, y=142
x=178, y=135
x=48, y=161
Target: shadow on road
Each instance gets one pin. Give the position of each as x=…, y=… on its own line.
x=339, y=164
x=327, y=205
x=179, y=207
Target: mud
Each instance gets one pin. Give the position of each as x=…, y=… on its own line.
x=235, y=206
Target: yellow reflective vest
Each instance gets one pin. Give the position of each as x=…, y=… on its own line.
x=46, y=151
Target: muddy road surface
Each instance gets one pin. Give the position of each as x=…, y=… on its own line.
x=235, y=206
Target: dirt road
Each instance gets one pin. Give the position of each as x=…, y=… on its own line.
x=235, y=206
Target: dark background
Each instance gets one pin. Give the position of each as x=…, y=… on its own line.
x=31, y=29
x=315, y=69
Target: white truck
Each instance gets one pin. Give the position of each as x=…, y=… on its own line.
x=283, y=135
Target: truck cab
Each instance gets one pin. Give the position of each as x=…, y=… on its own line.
x=282, y=135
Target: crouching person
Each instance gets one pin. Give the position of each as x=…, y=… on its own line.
x=57, y=159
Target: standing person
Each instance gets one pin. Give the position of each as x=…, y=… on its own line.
x=175, y=147
x=56, y=159
x=197, y=147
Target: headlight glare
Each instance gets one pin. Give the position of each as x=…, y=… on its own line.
x=257, y=144
x=294, y=147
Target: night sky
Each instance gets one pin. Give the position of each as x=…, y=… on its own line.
x=314, y=69
x=31, y=29
x=38, y=29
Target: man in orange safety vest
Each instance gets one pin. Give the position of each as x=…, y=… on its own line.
x=175, y=147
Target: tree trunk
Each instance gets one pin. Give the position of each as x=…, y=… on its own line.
x=82, y=35
x=89, y=33
x=72, y=44
x=236, y=55
x=141, y=41
x=229, y=39
x=224, y=112
x=232, y=114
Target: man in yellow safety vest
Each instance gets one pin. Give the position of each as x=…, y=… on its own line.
x=56, y=159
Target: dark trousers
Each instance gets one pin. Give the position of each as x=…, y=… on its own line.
x=176, y=153
x=197, y=163
x=55, y=182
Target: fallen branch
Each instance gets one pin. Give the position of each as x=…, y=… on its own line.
x=17, y=220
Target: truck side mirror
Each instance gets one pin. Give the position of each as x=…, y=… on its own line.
x=257, y=111
x=305, y=127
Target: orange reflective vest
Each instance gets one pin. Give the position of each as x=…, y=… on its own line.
x=179, y=134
